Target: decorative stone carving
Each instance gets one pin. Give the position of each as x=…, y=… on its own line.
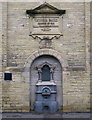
x=39, y=68
x=45, y=43
x=44, y=22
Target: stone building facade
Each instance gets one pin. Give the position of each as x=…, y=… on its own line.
x=63, y=45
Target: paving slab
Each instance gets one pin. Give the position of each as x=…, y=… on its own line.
x=46, y=116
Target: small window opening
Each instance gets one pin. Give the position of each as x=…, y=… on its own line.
x=7, y=75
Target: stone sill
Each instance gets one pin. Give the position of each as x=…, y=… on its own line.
x=46, y=83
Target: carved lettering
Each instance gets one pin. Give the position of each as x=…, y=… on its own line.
x=45, y=22
x=47, y=25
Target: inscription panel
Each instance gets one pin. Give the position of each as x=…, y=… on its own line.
x=46, y=25
x=45, y=22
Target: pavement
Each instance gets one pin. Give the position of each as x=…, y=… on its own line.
x=46, y=116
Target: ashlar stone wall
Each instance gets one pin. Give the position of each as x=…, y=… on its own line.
x=19, y=49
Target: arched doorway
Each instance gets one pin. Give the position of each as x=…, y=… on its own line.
x=46, y=73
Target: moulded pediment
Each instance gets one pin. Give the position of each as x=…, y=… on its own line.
x=46, y=22
x=45, y=8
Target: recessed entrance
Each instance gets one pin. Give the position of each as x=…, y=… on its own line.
x=46, y=84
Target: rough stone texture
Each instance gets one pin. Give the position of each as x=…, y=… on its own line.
x=73, y=48
x=0, y=57
x=91, y=55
